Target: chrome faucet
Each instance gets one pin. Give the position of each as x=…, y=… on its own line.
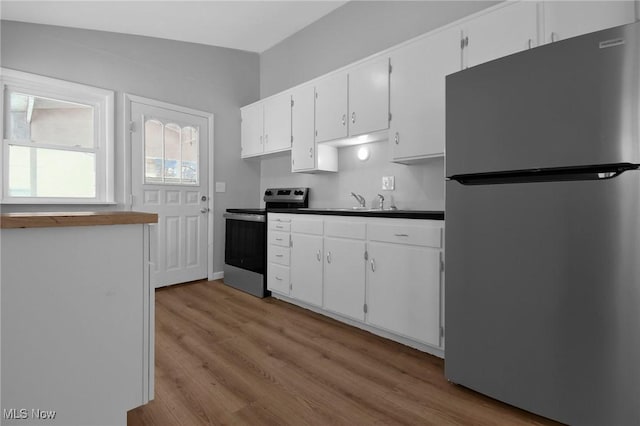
x=360, y=199
x=381, y=199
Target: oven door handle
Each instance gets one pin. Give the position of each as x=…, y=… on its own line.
x=245, y=217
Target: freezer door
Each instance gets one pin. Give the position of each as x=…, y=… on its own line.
x=569, y=103
x=542, y=296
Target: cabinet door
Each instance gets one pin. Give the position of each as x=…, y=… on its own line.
x=565, y=19
x=502, y=32
x=303, y=148
x=277, y=123
x=331, y=108
x=403, y=290
x=418, y=94
x=251, y=130
x=369, y=97
x=278, y=278
x=344, y=277
x=306, y=268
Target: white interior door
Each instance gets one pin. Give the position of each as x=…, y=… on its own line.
x=169, y=162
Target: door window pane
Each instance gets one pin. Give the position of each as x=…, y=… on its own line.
x=50, y=121
x=171, y=153
x=153, y=151
x=190, y=150
x=39, y=172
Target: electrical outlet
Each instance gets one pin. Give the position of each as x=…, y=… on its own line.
x=388, y=183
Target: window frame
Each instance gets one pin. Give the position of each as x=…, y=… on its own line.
x=101, y=100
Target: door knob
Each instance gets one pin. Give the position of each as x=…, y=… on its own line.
x=204, y=210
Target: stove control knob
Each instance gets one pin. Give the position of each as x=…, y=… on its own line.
x=268, y=193
x=298, y=192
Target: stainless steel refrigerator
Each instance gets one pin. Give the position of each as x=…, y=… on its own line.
x=542, y=293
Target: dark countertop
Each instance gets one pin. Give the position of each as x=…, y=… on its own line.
x=400, y=214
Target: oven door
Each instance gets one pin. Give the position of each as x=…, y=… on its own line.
x=245, y=242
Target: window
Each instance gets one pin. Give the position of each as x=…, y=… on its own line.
x=170, y=153
x=57, y=141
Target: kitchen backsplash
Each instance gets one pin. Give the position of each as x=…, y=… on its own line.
x=418, y=186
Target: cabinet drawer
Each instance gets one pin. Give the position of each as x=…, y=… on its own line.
x=279, y=238
x=280, y=255
x=278, y=277
x=279, y=217
x=307, y=226
x=427, y=236
x=280, y=226
x=345, y=229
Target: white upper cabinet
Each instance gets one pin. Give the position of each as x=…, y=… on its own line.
x=353, y=104
x=277, y=123
x=403, y=89
x=266, y=126
x=565, y=19
x=331, y=108
x=504, y=31
x=306, y=155
x=418, y=71
x=251, y=130
x=303, y=147
x=369, y=97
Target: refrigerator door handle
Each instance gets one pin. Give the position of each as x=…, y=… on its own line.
x=600, y=172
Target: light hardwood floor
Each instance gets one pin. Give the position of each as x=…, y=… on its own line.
x=225, y=357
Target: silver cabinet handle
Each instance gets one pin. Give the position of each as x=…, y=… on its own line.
x=260, y=140
x=344, y=119
x=373, y=265
x=311, y=152
x=328, y=257
x=353, y=117
x=529, y=42
x=554, y=36
x=204, y=210
x=266, y=138
x=279, y=227
x=278, y=278
x=401, y=235
x=318, y=255
x=278, y=239
x=397, y=138
x=279, y=255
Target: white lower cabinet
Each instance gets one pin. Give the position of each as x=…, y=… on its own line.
x=403, y=290
x=278, y=253
x=278, y=278
x=384, y=275
x=344, y=283
x=306, y=268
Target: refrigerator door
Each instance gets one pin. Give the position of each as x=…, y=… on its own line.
x=569, y=103
x=543, y=296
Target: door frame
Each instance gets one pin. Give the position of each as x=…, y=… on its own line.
x=128, y=99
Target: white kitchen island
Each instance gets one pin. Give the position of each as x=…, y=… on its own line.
x=77, y=317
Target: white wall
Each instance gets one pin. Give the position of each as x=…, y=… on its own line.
x=206, y=78
x=417, y=187
x=350, y=33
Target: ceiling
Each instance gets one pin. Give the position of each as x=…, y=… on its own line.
x=247, y=25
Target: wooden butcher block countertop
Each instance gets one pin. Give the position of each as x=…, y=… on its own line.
x=61, y=219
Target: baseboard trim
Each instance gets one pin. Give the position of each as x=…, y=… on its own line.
x=217, y=276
